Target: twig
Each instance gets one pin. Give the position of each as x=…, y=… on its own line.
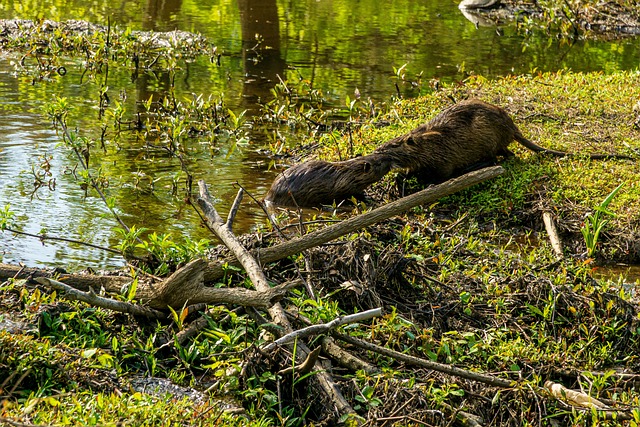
x=346, y=359
x=234, y=209
x=416, y=361
x=305, y=367
x=550, y=226
x=262, y=207
x=63, y=239
x=85, y=165
x=323, y=328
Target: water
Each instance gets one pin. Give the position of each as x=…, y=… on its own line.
x=339, y=46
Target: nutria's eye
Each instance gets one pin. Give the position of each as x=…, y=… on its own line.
x=410, y=141
x=367, y=167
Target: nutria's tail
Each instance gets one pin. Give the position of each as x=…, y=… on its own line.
x=538, y=149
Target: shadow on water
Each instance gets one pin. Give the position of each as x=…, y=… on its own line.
x=338, y=46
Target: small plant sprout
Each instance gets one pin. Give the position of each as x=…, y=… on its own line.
x=595, y=222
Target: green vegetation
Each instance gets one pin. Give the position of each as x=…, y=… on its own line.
x=469, y=281
x=594, y=223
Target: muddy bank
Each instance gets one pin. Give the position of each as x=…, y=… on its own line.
x=608, y=20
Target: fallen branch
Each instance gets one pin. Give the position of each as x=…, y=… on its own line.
x=573, y=399
x=416, y=361
x=305, y=367
x=257, y=276
x=215, y=269
x=581, y=401
x=186, y=286
x=550, y=226
x=83, y=282
x=98, y=301
x=323, y=328
x=346, y=359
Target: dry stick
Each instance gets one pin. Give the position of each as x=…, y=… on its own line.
x=183, y=286
x=336, y=352
x=215, y=269
x=78, y=281
x=186, y=286
x=483, y=378
x=44, y=237
x=416, y=361
x=552, y=231
x=346, y=359
x=98, y=301
x=234, y=210
x=276, y=312
x=323, y=328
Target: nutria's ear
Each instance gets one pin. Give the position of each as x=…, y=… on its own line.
x=410, y=141
x=366, y=167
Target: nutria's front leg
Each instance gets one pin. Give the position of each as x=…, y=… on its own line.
x=478, y=165
x=505, y=152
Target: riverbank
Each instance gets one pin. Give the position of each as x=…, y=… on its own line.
x=575, y=20
x=469, y=281
x=572, y=112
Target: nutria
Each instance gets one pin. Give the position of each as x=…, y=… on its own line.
x=463, y=137
x=317, y=182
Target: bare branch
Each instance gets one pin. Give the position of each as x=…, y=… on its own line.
x=318, y=237
x=257, y=276
x=98, y=301
x=552, y=231
x=324, y=328
x=234, y=209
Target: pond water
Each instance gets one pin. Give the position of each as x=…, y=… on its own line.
x=340, y=46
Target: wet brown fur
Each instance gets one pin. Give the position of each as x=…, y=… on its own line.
x=466, y=136
x=318, y=182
